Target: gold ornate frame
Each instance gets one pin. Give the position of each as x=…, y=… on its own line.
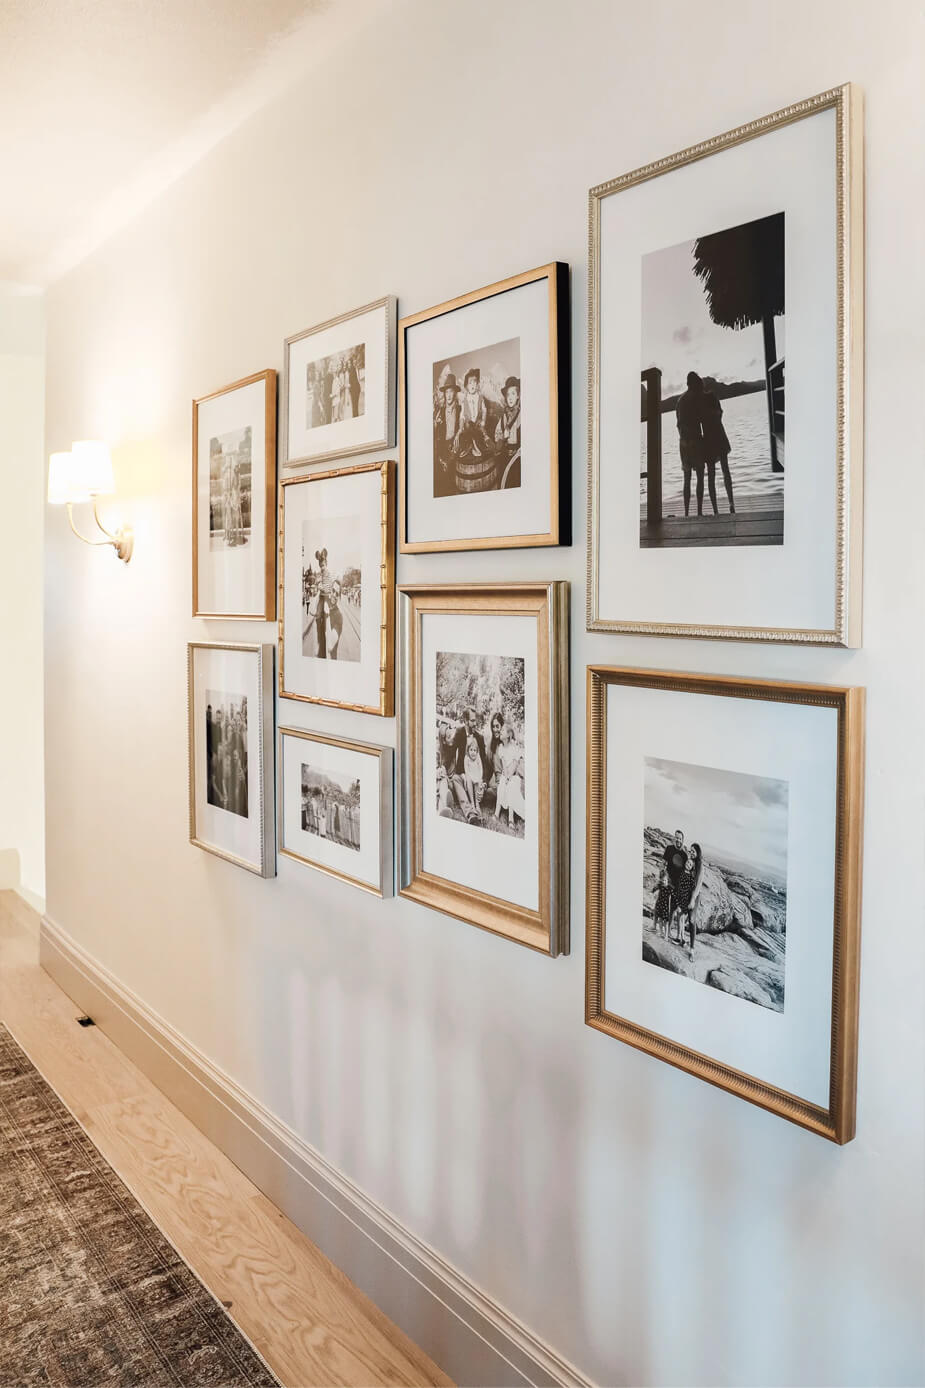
x=386, y=470
x=846, y=101
x=559, y=533
x=837, y=1122
x=547, y=929
x=269, y=611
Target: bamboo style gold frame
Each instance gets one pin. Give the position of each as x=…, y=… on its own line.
x=269, y=611
x=547, y=929
x=846, y=102
x=559, y=533
x=386, y=706
x=837, y=1122
x=385, y=758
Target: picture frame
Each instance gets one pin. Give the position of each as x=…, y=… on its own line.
x=740, y=262
x=231, y=791
x=234, y=508
x=344, y=617
x=758, y=863
x=469, y=477
x=339, y=386
x=340, y=795
x=484, y=729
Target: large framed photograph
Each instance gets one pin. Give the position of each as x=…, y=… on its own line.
x=337, y=588
x=234, y=500
x=335, y=807
x=723, y=892
x=485, y=757
x=483, y=384
x=339, y=386
x=726, y=385
x=231, y=789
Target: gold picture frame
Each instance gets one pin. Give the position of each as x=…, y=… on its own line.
x=547, y=928
x=836, y=1120
x=385, y=706
x=268, y=612
x=848, y=425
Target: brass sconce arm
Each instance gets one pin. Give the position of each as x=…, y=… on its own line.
x=122, y=541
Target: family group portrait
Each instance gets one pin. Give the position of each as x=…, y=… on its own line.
x=331, y=806
x=715, y=878
x=226, y=752
x=230, y=489
x=331, y=588
x=712, y=389
x=477, y=402
x=335, y=387
x=480, y=771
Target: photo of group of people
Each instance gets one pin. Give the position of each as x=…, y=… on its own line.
x=332, y=589
x=480, y=772
x=335, y=387
x=226, y=752
x=230, y=489
x=477, y=421
x=331, y=806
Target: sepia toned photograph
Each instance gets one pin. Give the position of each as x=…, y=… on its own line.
x=230, y=489
x=335, y=387
x=480, y=772
x=226, y=751
x=713, y=401
x=477, y=404
x=332, y=587
x=715, y=878
x=331, y=806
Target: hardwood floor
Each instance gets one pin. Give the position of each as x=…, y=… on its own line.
x=305, y=1317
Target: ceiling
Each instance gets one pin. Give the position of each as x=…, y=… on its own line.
x=103, y=103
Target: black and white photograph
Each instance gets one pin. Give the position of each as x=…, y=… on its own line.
x=715, y=878
x=335, y=387
x=226, y=751
x=230, y=489
x=477, y=405
x=331, y=806
x=713, y=405
x=480, y=771
x=332, y=587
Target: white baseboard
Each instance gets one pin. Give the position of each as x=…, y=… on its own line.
x=475, y=1341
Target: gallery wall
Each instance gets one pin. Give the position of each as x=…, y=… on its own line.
x=651, y=1228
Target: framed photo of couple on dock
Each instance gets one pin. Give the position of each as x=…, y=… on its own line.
x=723, y=882
x=726, y=377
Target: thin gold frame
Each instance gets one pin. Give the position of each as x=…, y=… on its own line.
x=390, y=304
x=837, y=1122
x=265, y=742
x=269, y=611
x=846, y=101
x=385, y=758
x=547, y=929
x=386, y=469
x=556, y=275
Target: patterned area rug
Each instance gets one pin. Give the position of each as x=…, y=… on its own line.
x=91, y=1294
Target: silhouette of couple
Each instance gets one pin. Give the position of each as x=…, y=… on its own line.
x=703, y=443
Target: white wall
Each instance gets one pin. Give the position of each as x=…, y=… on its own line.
x=653, y=1229
x=22, y=474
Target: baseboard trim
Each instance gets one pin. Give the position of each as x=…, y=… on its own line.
x=463, y=1329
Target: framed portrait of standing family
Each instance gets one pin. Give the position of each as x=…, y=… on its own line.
x=484, y=418
x=726, y=385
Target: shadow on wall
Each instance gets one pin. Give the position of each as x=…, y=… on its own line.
x=10, y=873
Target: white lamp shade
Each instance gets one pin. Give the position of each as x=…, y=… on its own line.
x=91, y=468
x=61, y=485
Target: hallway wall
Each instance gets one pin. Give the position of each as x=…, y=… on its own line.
x=653, y=1229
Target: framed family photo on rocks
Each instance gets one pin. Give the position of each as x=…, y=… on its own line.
x=723, y=882
x=726, y=385
x=337, y=588
x=231, y=789
x=234, y=500
x=485, y=757
x=339, y=386
x=335, y=807
x=484, y=418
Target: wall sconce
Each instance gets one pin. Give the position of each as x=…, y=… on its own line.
x=82, y=475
